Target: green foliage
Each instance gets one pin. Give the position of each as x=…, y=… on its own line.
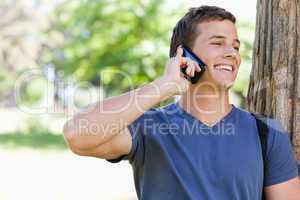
x=21, y=42
x=246, y=35
x=6, y=79
x=124, y=41
x=128, y=36
x=32, y=91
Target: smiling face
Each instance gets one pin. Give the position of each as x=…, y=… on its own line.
x=218, y=46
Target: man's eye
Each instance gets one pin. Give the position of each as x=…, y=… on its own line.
x=237, y=48
x=216, y=43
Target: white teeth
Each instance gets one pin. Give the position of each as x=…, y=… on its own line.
x=224, y=67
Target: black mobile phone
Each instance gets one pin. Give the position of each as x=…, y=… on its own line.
x=187, y=52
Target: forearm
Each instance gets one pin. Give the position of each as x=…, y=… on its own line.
x=98, y=123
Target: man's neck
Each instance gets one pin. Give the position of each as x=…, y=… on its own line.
x=206, y=104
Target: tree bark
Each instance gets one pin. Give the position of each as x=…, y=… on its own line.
x=274, y=87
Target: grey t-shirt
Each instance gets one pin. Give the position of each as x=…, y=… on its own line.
x=176, y=156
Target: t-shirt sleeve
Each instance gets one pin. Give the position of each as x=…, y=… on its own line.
x=281, y=163
x=137, y=131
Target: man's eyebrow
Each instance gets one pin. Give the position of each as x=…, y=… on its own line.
x=221, y=37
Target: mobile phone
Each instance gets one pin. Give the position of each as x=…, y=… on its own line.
x=187, y=52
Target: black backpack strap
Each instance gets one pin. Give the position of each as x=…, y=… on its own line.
x=263, y=129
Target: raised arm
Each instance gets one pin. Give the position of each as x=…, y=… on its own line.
x=101, y=129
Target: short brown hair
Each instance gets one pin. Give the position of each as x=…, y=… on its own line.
x=185, y=31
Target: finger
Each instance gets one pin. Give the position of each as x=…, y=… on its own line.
x=188, y=70
x=179, y=52
x=183, y=62
x=198, y=68
x=191, y=68
x=193, y=71
x=194, y=65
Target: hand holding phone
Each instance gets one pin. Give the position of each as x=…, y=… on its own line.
x=189, y=54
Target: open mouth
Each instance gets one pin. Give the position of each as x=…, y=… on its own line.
x=224, y=67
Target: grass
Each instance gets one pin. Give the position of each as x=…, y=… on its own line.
x=36, y=140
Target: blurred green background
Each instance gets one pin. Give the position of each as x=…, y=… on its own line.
x=59, y=56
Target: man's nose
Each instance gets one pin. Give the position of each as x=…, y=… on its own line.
x=230, y=53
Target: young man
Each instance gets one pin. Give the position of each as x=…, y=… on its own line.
x=201, y=147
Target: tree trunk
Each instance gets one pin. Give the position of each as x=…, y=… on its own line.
x=274, y=87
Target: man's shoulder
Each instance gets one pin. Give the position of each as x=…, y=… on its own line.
x=271, y=122
x=244, y=115
x=276, y=131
